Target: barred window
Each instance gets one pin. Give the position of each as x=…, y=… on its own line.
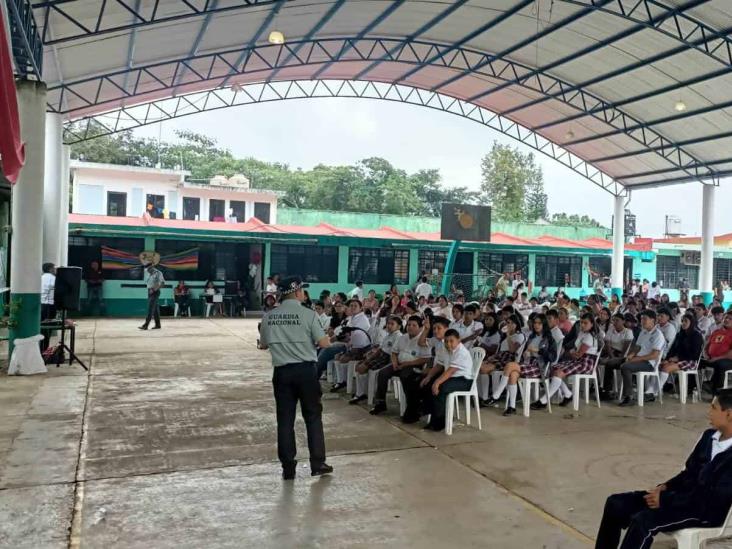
x=312, y=263
x=600, y=267
x=378, y=266
x=670, y=270
x=553, y=270
x=722, y=270
x=432, y=259
x=496, y=264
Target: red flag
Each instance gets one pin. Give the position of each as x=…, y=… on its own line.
x=12, y=154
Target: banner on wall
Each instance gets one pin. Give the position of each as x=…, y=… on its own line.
x=118, y=260
x=186, y=260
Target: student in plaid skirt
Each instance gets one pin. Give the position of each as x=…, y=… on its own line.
x=376, y=358
x=581, y=360
x=540, y=349
x=508, y=348
x=685, y=350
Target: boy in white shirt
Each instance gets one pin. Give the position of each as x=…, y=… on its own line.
x=423, y=289
x=469, y=329
x=458, y=376
x=323, y=318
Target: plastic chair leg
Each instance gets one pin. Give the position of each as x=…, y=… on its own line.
x=683, y=382
x=641, y=388
x=660, y=389
x=467, y=410
x=175, y=310
x=476, y=403
x=587, y=390
x=350, y=374
x=576, y=388
x=525, y=394
x=597, y=391
x=449, y=411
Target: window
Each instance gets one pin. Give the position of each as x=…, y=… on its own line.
x=492, y=264
x=722, y=270
x=117, y=204
x=600, y=267
x=216, y=210
x=191, y=208
x=432, y=259
x=312, y=263
x=155, y=205
x=378, y=266
x=238, y=210
x=552, y=270
x=121, y=261
x=261, y=211
x=670, y=269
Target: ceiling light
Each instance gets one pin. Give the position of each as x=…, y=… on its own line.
x=569, y=135
x=276, y=37
x=236, y=88
x=680, y=106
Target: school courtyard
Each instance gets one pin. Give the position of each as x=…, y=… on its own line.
x=170, y=442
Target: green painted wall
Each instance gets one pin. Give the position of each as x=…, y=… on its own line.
x=355, y=220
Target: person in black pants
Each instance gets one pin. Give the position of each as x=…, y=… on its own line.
x=291, y=333
x=155, y=282
x=699, y=496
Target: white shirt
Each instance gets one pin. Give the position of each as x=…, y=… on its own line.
x=704, y=324
x=650, y=341
x=359, y=339
x=586, y=339
x=669, y=333
x=474, y=327
x=390, y=340
x=558, y=335
x=442, y=357
x=653, y=293
x=423, y=289
x=445, y=311
x=271, y=288
x=461, y=360
x=357, y=293
x=408, y=349
x=324, y=320
x=518, y=337
x=617, y=340
x=719, y=446
x=48, y=284
x=491, y=340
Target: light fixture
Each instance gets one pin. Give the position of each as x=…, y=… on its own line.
x=236, y=88
x=569, y=135
x=680, y=106
x=276, y=37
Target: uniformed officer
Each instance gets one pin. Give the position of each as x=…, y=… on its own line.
x=291, y=333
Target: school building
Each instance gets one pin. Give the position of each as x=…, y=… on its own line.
x=224, y=231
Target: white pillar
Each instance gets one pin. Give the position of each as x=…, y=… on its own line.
x=52, y=203
x=27, y=220
x=63, y=240
x=706, y=284
x=616, y=278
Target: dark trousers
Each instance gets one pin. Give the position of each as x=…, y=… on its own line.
x=630, y=368
x=293, y=383
x=328, y=354
x=629, y=510
x=720, y=367
x=419, y=399
x=48, y=312
x=95, y=304
x=439, y=403
x=153, y=309
x=383, y=377
x=183, y=303
x=611, y=364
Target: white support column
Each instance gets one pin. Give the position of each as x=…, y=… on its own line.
x=52, y=203
x=26, y=254
x=616, y=278
x=706, y=284
x=63, y=239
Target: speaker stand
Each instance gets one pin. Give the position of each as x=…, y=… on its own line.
x=64, y=347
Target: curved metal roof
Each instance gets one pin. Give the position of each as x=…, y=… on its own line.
x=639, y=89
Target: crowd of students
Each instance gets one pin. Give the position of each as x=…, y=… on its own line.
x=424, y=339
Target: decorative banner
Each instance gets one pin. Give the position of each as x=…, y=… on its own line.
x=186, y=260
x=11, y=147
x=117, y=260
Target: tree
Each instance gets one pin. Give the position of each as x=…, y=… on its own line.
x=536, y=199
x=574, y=220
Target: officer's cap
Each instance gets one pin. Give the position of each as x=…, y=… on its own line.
x=291, y=284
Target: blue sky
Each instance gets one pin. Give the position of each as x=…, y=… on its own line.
x=306, y=132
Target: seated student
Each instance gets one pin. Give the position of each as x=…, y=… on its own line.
x=210, y=290
x=182, y=295
x=457, y=316
x=469, y=328
x=717, y=313
x=458, y=376
x=685, y=350
x=667, y=328
x=506, y=351
x=370, y=302
x=406, y=355
x=564, y=323
x=703, y=321
x=357, y=342
x=376, y=358
x=699, y=496
x=580, y=360
x=491, y=338
x=719, y=353
x=649, y=344
x=540, y=350
x=552, y=319
x=338, y=345
x=442, y=308
x=323, y=319
x=618, y=340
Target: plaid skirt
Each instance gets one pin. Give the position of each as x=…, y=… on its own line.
x=378, y=361
x=501, y=359
x=582, y=365
x=532, y=368
x=686, y=365
x=354, y=354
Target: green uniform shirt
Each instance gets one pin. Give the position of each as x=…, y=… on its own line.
x=291, y=331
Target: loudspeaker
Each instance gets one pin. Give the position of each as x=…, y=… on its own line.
x=68, y=288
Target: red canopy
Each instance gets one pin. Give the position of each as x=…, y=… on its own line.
x=11, y=147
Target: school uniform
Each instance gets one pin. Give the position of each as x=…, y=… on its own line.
x=531, y=363
x=407, y=349
x=616, y=343
x=686, y=349
x=583, y=364
x=647, y=341
x=461, y=380
x=464, y=330
x=419, y=399
x=504, y=354
x=381, y=359
x=490, y=340
x=699, y=496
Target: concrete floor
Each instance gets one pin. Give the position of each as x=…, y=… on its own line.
x=170, y=442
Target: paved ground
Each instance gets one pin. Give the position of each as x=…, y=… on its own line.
x=170, y=442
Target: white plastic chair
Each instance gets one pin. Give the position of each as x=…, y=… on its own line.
x=527, y=385
x=399, y=394
x=641, y=378
x=577, y=379
x=727, y=376
x=351, y=376
x=683, y=376
x=452, y=399
x=177, y=307
x=371, y=391
x=330, y=371
x=693, y=538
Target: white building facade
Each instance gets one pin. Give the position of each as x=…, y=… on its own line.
x=130, y=191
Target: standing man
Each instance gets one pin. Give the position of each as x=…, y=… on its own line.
x=155, y=281
x=48, y=287
x=291, y=333
x=94, y=285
